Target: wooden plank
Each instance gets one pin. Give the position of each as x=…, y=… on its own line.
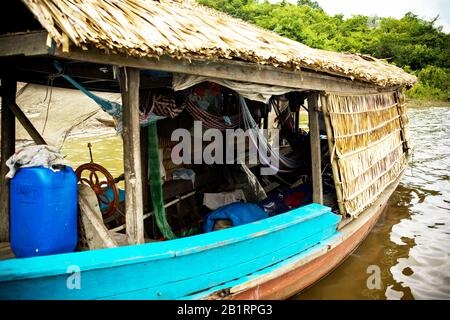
x=314, y=137
x=129, y=84
x=91, y=75
x=91, y=223
x=6, y=251
x=231, y=70
x=144, y=168
x=4, y=245
x=8, y=138
x=27, y=44
x=26, y=123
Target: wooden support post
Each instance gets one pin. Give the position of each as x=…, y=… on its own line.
x=333, y=159
x=26, y=123
x=314, y=136
x=144, y=168
x=129, y=86
x=297, y=120
x=8, y=140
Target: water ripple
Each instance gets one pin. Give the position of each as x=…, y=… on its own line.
x=410, y=243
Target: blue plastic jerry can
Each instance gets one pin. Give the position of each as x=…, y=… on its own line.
x=44, y=206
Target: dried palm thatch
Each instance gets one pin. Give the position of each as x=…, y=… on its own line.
x=369, y=146
x=183, y=29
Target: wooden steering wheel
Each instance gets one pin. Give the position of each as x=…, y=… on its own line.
x=88, y=174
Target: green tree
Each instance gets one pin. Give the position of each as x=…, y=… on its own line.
x=415, y=44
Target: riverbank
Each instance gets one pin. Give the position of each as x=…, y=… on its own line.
x=413, y=103
x=59, y=114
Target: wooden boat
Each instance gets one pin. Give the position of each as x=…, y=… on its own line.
x=357, y=101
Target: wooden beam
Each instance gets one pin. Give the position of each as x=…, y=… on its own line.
x=39, y=78
x=228, y=69
x=129, y=84
x=144, y=168
x=90, y=75
x=26, y=123
x=8, y=140
x=34, y=44
x=314, y=136
x=45, y=65
x=25, y=44
x=91, y=221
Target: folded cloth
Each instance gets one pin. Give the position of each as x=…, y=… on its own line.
x=184, y=174
x=34, y=156
x=214, y=201
x=294, y=200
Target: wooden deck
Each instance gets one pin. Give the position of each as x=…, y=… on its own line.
x=5, y=251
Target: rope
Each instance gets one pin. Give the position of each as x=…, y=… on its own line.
x=49, y=95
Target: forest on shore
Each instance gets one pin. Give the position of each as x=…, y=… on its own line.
x=417, y=45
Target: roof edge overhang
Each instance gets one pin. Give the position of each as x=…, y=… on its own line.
x=37, y=43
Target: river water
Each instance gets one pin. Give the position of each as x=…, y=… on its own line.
x=410, y=243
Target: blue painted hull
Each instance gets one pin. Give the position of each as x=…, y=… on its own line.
x=173, y=269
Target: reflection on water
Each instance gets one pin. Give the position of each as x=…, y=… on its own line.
x=411, y=241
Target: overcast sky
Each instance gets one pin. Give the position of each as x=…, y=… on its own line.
x=391, y=8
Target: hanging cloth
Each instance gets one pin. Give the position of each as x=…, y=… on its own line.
x=249, y=90
x=154, y=177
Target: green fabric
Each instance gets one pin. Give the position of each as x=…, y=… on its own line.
x=154, y=176
x=191, y=231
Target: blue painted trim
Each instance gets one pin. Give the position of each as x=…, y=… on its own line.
x=291, y=260
x=172, y=269
x=26, y=268
x=178, y=289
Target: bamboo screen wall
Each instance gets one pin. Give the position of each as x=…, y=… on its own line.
x=368, y=145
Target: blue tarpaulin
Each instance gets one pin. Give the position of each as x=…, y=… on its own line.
x=239, y=213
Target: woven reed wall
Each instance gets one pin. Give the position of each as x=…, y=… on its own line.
x=369, y=145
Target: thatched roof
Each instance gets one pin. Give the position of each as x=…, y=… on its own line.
x=183, y=29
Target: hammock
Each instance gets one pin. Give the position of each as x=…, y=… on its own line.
x=112, y=108
x=264, y=148
x=287, y=124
